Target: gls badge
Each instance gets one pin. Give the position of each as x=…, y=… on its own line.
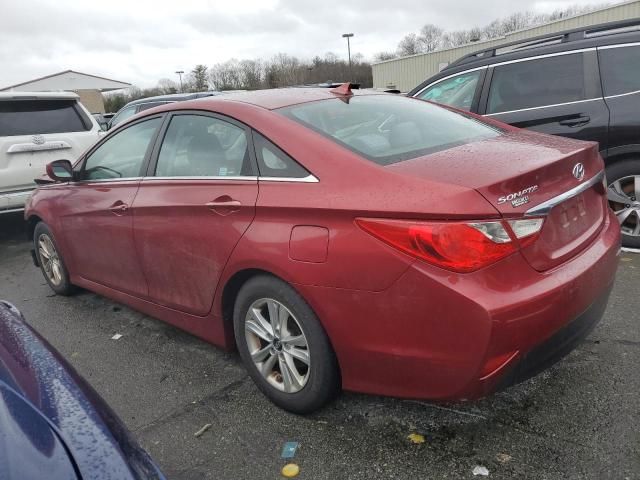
x=518, y=198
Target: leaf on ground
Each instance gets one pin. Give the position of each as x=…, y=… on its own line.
x=416, y=438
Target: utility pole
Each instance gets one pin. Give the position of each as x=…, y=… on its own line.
x=348, y=36
x=180, y=72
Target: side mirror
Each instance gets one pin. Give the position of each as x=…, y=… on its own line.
x=60, y=171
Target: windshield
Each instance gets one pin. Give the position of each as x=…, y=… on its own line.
x=389, y=128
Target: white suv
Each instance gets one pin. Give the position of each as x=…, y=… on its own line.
x=35, y=129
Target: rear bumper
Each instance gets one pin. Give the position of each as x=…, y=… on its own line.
x=434, y=334
x=557, y=347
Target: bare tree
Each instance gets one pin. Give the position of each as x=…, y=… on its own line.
x=382, y=56
x=430, y=38
x=252, y=74
x=167, y=86
x=409, y=45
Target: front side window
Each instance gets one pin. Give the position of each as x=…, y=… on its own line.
x=388, y=128
x=147, y=106
x=537, y=83
x=620, y=69
x=123, y=115
x=122, y=155
x=32, y=117
x=456, y=91
x=203, y=146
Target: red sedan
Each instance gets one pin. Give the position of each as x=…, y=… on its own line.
x=367, y=241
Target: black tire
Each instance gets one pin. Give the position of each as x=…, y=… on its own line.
x=64, y=286
x=619, y=170
x=323, y=380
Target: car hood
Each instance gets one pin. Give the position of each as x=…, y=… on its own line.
x=29, y=447
x=68, y=412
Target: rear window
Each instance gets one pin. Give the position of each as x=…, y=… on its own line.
x=387, y=128
x=31, y=117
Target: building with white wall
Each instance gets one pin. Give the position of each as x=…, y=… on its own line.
x=88, y=87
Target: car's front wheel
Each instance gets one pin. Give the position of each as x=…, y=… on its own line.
x=51, y=263
x=283, y=345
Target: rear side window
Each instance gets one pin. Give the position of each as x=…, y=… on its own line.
x=388, y=128
x=456, y=91
x=121, y=155
x=32, y=117
x=537, y=83
x=273, y=162
x=620, y=69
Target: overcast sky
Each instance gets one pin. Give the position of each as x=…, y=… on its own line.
x=142, y=41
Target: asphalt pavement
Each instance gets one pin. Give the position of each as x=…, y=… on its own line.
x=580, y=419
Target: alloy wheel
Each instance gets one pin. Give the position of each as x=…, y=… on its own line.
x=277, y=345
x=50, y=260
x=624, y=198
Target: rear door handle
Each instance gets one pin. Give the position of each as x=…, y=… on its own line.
x=575, y=122
x=224, y=205
x=119, y=208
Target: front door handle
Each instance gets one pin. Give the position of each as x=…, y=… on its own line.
x=576, y=122
x=224, y=205
x=119, y=208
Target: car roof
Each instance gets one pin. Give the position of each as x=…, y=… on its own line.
x=174, y=97
x=38, y=96
x=274, y=98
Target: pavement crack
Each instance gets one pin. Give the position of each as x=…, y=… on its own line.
x=185, y=408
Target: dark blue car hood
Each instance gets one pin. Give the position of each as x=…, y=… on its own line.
x=50, y=414
x=29, y=447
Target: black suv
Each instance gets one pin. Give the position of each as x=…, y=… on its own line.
x=582, y=83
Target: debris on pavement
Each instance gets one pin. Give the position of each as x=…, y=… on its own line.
x=503, y=457
x=290, y=470
x=202, y=430
x=289, y=449
x=481, y=470
x=416, y=438
x=117, y=336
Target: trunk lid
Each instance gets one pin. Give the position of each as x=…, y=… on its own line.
x=519, y=171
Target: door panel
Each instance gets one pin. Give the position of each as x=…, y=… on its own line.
x=620, y=70
x=190, y=216
x=96, y=215
x=557, y=95
x=99, y=235
x=584, y=120
x=185, y=230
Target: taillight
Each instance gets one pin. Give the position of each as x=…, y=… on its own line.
x=457, y=246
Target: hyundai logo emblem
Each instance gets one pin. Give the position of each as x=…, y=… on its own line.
x=578, y=171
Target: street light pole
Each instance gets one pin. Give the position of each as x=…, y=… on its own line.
x=348, y=36
x=180, y=72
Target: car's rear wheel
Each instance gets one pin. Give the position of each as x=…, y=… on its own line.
x=623, y=179
x=51, y=263
x=283, y=345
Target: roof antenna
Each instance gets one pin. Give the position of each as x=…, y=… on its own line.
x=344, y=89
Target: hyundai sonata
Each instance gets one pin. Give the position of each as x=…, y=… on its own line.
x=340, y=239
